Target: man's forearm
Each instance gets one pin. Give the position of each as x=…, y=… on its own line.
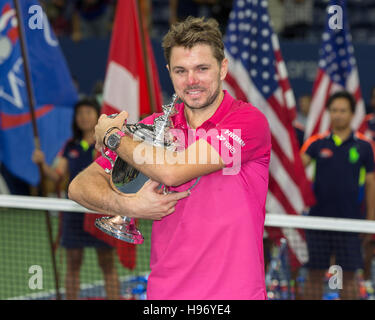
x=169, y=167
x=91, y=189
x=161, y=165
x=153, y=162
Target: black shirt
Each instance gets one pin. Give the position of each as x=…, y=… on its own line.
x=340, y=171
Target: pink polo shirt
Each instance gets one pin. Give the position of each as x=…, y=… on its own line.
x=211, y=247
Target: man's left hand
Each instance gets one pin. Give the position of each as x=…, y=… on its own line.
x=104, y=123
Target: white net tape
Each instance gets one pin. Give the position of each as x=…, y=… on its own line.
x=272, y=219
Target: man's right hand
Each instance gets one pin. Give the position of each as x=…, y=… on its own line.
x=150, y=202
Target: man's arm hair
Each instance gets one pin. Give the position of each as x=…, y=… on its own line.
x=91, y=188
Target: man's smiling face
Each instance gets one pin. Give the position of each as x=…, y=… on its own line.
x=197, y=75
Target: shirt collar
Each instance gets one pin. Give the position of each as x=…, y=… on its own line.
x=179, y=119
x=336, y=139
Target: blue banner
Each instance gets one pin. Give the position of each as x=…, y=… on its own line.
x=52, y=86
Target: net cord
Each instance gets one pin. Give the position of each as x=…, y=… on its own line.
x=271, y=220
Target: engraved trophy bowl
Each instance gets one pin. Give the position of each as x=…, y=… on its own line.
x=124, y=178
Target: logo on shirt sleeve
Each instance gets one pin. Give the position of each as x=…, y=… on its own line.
x=234, y=137
x=231, y=149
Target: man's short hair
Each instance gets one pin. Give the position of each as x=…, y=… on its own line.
x=193, y=31
x=342, y=94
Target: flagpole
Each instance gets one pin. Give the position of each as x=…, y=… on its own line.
x=36, y=134
x=150, y=90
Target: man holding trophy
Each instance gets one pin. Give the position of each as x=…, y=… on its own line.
x=207, y=159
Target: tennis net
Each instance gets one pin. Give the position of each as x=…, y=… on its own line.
x=305, y=257
x=34, y=267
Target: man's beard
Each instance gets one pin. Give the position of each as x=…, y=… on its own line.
x=210, y=100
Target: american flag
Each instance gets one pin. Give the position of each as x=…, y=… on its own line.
x=257, y=74
x=337, y=71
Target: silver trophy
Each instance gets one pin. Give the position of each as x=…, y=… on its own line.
x=126, y=179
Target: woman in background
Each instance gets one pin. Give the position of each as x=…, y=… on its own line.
x=78, y=153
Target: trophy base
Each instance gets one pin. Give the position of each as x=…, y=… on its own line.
x=125, y=231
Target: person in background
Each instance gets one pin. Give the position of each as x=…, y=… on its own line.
x=344, y=178
x=368, y=129
x=77, y=154
x=299, y=123
x=304, y=103
x=368, y=125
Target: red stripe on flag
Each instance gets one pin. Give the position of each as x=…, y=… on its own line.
x=278, y=55
x=357, y=94
x=284, y=110
x=295, y=171
x=237, y=89
x=317, y=123
x=9, y=121
x=317, y=81
x=280, y=195
x=279, y=110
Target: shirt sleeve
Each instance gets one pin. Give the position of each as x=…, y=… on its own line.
x=64, y=150
x=369, y=159
x=310, y=147
x=243, y=136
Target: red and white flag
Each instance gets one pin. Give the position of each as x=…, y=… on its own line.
x=132, y=85
x=132, y=81
x=257, y=73
x=337, y=71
